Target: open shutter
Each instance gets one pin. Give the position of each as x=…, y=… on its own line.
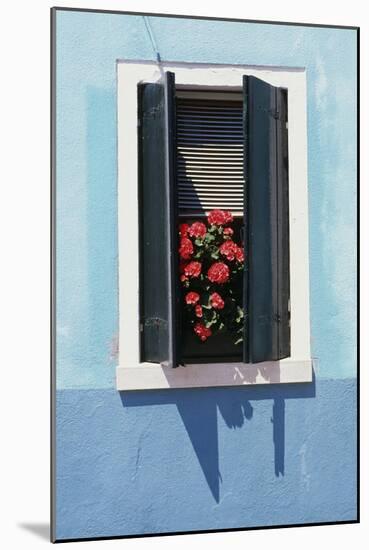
x=158, y=222
x=267, y=325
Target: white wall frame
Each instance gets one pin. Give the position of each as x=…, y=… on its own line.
x=130, y=373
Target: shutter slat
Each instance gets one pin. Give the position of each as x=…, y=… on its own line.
x=212, y=199
x=211, y=162
x=210, y=155
x=206, y=139
x=210, y=169
x=201, y=109
x=232, y=136
x=209, y=124
x=234, y=150
x=215, y=149
x=216, y=174
x=194, y=203
x=205, y=119
x=210, y=188
x=218, y=179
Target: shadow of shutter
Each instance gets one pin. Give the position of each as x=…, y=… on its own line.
x=266, y=285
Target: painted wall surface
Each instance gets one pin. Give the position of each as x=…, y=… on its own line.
x=215, y=458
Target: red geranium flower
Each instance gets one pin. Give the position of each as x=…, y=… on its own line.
x=183, y=229
x=192, y=298
x=193, y=269
x=218, y=273
x=228, y=249
x=216, y=301
x=220, y=217
x=202, y=331
x=182, y=265
x=197, y=229
x=186, y=248
x=198, y=310
x=240, y=256
x=228, y=231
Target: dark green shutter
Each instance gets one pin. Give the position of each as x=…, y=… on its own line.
x=158, y=222
x=267, y=327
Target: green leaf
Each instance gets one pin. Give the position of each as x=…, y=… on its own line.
x=240, y=315
x=212, y=320
x=209, y=238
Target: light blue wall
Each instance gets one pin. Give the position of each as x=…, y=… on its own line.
x=94, y=424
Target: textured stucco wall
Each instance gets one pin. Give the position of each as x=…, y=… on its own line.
x=177, y=460
x=117, y=464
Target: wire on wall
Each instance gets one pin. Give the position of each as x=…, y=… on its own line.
x=152, y=40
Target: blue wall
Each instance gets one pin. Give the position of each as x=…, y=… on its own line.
x=198, y=459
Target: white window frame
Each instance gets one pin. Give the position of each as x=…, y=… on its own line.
x=131, y=374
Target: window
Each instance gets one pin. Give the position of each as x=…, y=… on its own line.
x=205, y=138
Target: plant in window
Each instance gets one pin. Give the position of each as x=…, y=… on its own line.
x=211, y=271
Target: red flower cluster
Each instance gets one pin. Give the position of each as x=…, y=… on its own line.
x=192, y=298
x=202, y=331
x=197, y=230
x=231, y=251
x=198, y=310
x=220, y=217
x=240, y=255
x=193, y=269
x=183, y=229
x=228, y=249
x=185, y=248
x=218, y=273
x=216, y=301
x=210, y=257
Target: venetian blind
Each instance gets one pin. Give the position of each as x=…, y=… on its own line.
x=209, y=155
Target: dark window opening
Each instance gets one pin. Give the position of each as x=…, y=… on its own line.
x=210, y=175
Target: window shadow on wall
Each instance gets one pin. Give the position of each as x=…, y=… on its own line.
x=199, y=410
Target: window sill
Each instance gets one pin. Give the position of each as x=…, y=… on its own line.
x=145, y=376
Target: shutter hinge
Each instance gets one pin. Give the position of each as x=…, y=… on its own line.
x=152, y=112
x=155, y=321
x=269, y=319
x=274, y=113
